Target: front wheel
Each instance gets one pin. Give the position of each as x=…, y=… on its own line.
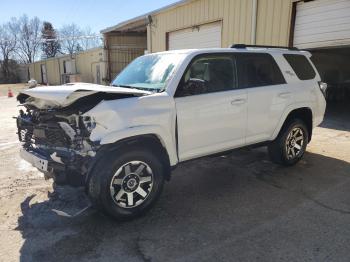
x=290, y=145
x=127, y=185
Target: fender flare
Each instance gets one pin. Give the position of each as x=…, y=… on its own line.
x=164, y=137
x=285, y=114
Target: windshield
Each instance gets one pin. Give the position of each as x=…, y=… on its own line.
x=150, y=72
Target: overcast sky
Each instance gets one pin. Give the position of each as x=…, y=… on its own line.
x=98, y=14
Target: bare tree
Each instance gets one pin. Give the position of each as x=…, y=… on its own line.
x=89, y=39
x=70, y=36
x=74, y=39
x=8, y=45
x=29, y=38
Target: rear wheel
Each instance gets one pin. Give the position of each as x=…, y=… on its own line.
x=290, y=145
x=127, y=185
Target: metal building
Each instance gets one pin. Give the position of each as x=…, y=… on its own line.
x=322, y=26
x=87, y=66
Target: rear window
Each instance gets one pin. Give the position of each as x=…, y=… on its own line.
x=301, y=66
x=258, y=69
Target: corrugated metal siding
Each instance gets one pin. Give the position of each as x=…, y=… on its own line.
x=273, y=21
x=322, y=23
x=51, y=71
x=85, y=63
x=53, y=68
x=32, y=74
x=53, y=76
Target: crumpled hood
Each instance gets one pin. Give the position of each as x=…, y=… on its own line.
x=64, y=95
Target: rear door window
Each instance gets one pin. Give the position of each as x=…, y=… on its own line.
x=301, y=66
x=258, y=69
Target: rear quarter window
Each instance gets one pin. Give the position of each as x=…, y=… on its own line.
x=301, y=66
x=258, y=69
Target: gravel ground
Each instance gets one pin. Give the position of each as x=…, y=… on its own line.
x=15, y=88
x=235, y=208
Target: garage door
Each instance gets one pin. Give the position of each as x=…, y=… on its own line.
x=204, y=36
x=322, y=23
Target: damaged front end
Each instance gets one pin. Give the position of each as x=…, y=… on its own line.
x=56, y=139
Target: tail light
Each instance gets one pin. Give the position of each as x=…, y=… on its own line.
x=323, y=86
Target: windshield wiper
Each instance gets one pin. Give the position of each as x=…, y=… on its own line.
x=125, y=86
x=138, y=88
x=130, y=87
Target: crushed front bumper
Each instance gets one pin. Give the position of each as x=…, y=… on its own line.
x=34, y=158
x=47, y=164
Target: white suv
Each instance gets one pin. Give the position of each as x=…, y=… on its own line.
x=121, y=142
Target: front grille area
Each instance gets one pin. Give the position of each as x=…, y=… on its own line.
x=42, y=129
x=50, y=136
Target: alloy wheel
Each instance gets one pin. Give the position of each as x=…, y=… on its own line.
x=294, y=143
x=131, y=184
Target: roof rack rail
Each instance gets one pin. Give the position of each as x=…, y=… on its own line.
x=241, y=46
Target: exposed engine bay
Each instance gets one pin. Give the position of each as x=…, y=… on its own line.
x=57, y=138
x=60, y=135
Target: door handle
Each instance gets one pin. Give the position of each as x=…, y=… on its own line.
x=284, y=95
x=238, y=102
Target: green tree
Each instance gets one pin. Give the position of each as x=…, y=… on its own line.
x=50, y=45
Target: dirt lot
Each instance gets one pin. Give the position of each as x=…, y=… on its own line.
x=15, y=88
x=236, y=208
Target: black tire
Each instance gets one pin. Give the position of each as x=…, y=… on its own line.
x=278, y=148
x=99, y=187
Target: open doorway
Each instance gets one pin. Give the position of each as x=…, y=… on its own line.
x=333, y=65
